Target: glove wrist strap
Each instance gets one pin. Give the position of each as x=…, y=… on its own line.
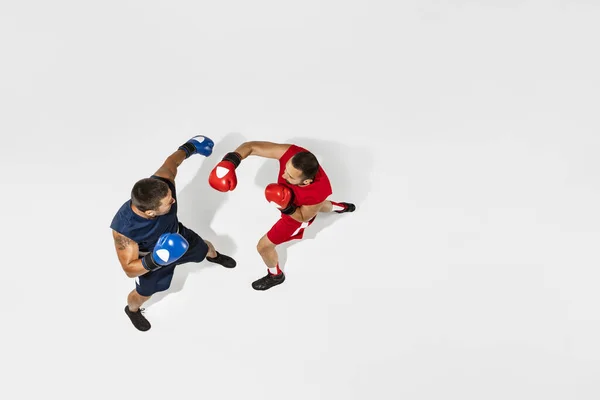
x=290, y=209
x=234, y=158
x=149, y=263
x=188, y=148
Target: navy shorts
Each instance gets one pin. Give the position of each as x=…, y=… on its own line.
x=160, y=279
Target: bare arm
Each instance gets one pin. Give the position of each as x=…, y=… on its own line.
x=169, y=168
x=306, y=213
x=262, y=149
x=128, y=253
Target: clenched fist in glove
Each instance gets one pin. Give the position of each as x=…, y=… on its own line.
x=281, y=196
x=169, y=248
x=198, y=144
x=222, y=177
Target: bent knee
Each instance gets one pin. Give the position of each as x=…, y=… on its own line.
x=264, y=245
x=136, y=297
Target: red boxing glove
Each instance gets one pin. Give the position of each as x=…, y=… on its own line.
x=281, y=196
x=222, y=177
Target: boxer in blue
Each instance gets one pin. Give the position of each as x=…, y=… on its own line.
x=150, y=241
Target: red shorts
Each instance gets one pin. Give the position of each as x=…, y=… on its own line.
x=286, y=229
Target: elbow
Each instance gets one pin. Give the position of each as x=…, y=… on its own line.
x=129, y=271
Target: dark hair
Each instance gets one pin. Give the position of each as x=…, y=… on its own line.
x=147, y=193
x=307, y=163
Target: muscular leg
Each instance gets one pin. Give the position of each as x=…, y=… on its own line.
x=135, y=300
x=326, y=207
x=267, y=251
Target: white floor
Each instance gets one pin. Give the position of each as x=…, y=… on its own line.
x=466, y=133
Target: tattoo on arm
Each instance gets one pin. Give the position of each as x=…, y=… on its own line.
x=122, y=242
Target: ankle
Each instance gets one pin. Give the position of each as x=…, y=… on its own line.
x=275, y=270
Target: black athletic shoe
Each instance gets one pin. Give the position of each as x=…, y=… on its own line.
x=222, y=259
x=268, y=281
x=349, y=208
x=137, y=319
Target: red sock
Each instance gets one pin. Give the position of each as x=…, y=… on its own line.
x=274, y=271
x=338, y=206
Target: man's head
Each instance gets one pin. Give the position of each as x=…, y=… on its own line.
x=301, y=169
x=152, y=197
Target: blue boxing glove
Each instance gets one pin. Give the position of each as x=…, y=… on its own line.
x=169, y=248
x=198, y=144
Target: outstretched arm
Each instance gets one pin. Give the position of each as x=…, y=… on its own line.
x=169, y=168
x=223, y=177
x=262, y=149
x=198, y=144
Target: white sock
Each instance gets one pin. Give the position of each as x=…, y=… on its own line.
x=336, y=207
x=273, y=271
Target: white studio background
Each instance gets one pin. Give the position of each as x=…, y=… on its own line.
x=466, y=133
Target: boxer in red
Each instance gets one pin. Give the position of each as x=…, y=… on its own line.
x=300, y=193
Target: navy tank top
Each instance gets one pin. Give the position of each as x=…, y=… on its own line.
x=145, y=232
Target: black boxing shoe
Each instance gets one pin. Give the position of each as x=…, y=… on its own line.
x=137, y=319
x=222, y=259
x=268, y=281
x=348, y=207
